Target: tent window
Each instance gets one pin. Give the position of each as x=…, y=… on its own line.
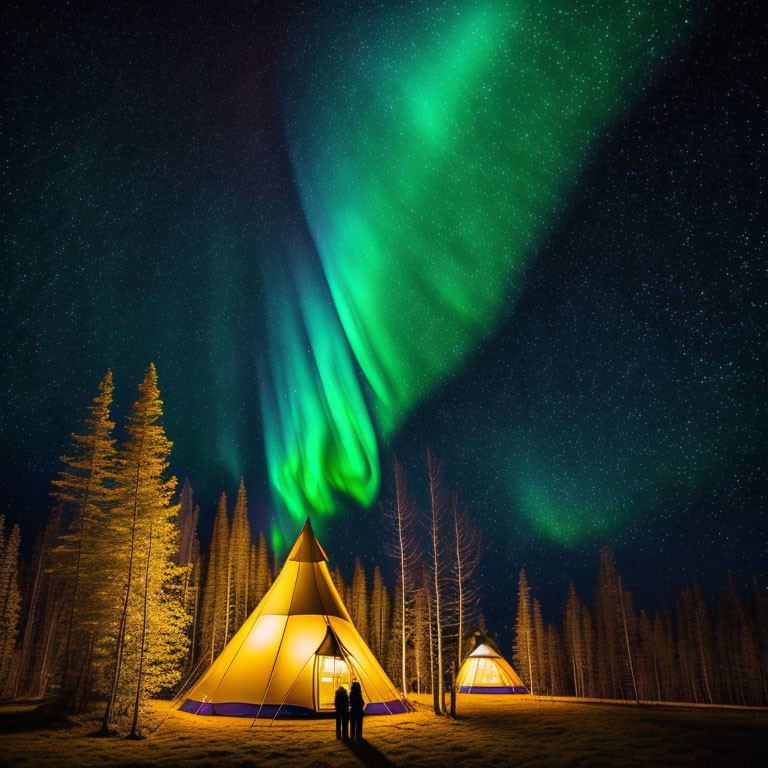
x=330, y=673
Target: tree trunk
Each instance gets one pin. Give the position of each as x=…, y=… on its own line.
x=27, y=638
x=626, y=638
x=440, y=705
x=66, y=683
x=135, y=724
x=460, y=585
x=109, y=710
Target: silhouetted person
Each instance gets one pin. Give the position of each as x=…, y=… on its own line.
x=356, y=710
x=341, y=703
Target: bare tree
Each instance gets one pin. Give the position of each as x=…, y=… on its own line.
x=436, y=544
x=465, y=556
x=405, y=551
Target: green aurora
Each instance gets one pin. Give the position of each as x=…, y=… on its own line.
x=431, y=150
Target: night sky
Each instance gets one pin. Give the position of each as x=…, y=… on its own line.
x=529, y=235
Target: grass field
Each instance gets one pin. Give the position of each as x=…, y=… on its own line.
x=489, y=731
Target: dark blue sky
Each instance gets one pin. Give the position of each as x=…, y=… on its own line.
x=146, y=192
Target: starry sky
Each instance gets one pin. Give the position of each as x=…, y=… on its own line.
x=529, y=235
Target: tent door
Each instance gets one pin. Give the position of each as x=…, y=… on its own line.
x=330, y=673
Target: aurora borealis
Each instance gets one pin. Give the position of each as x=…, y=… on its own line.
x=428, y=164
x=527, y=234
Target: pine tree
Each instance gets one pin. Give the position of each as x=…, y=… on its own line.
x=629, y=625
x=217, y=584
x=574, y=641
x=523, y=648
x=760, y=612
x=703, y=638
x=192, y=605
x=10, y=600
x=647, y=666
x=338, y=582
x=737, y=647
x=34, y=618
x=239, y=560
x=263, y=571
x=669, y=675
x=608, y=627
x=394, y=659
x=379, y=618
x=152, y=614
x=686, y=646
x=187, y=524
x=421, y=634
x=554, y=662
x=188, y=557
x=83, y=489
x=588, y=636
x=539, y=646
x=359, y=604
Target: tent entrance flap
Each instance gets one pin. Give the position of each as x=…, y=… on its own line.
x=330, y=673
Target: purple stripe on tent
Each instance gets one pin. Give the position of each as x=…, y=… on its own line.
x=241, y=709
x=493, y=689
x=395, y=707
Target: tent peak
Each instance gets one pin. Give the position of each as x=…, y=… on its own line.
x=307, y=548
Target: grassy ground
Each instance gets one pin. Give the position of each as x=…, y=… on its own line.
x=489, y=731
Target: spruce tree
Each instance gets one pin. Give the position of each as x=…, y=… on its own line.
x=263, y=571
x=10, y=600
x=379, y=618
x=420, y=638
x=239, y=561
x=608, y=625
x=574, y=641
x=36, y=603
x=588, y=636
x=84, y=489
x=152, y=613
x=358, y=606
x=523, y=648
x=217, y=585
x=538, y=648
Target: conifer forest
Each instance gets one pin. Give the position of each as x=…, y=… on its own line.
x=118, y=603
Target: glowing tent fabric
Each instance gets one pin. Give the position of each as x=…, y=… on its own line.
x=294, y=650
x=485, y=670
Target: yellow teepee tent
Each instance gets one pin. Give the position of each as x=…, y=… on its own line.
x=485, y=670
x=294, y=650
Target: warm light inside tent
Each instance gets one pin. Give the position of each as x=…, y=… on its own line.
x=486, y=672
x=330, y=673
x=263, y=633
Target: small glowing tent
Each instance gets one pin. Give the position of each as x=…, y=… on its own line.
x=294, y=650
x=485, y=670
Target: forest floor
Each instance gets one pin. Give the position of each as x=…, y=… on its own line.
x=489, y=731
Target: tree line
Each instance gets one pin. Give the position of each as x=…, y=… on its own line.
x=688, y=652
x=119, y=603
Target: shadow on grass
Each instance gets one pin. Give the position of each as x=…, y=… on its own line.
x=369, y=755
x=45, y=717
